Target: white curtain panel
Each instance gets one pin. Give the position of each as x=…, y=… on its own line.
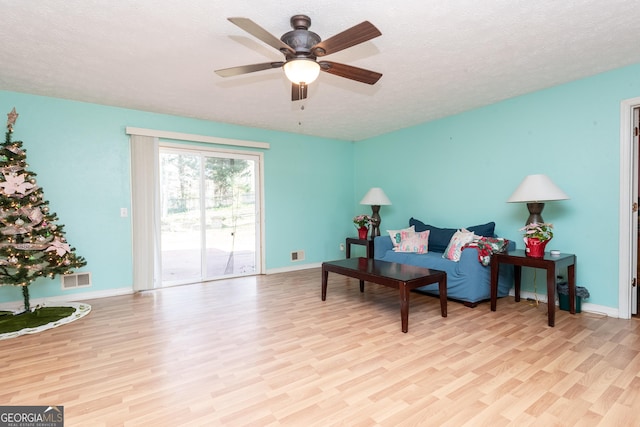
x=144, y=208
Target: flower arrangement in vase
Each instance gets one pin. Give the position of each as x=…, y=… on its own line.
x=536, y=237
x=361, y=222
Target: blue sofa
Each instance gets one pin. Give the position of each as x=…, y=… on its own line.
x=468, y=281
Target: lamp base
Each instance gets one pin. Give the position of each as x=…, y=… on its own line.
x=535, y=213
x=375, y=220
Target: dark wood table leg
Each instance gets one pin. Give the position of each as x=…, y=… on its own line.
x=442, y=287
x=348, y=249
x=325, y=276
x=404, y=306
x=517, y=279
x=571, y=272
x=551, y=294
x=495, y=268
x=361, y=285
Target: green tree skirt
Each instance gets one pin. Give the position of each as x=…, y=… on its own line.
x=10, y=322
x=40, y=319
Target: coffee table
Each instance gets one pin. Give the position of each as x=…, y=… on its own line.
x=403, y=277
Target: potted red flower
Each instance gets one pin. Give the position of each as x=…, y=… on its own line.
x=536, y=237
x=361, y=222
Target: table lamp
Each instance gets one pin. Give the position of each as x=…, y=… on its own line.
x=534, y=190
x=376, y=198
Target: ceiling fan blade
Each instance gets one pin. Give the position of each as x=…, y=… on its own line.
x=355, y=35
x=257, y=31
x=298, y=91
x=350, y=72
x=244, y=69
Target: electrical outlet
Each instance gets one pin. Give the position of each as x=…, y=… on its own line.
x=124, y=212
x=342, y=246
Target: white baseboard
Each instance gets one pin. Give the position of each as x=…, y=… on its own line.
x=294, y=268
x=18, y=304
x=585, y=306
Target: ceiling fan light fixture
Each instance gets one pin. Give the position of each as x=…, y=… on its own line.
x=302, y=70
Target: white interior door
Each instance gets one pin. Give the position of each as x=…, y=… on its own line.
x=634, y=217
x=210, y=215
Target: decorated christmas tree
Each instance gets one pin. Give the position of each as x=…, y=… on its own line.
x=32, y=245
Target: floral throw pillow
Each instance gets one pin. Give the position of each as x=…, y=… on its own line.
x=459, y=239
x=395, y=235
x=410, y=241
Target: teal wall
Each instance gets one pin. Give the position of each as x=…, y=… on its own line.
x=80, y=153
x=459, y=171
x=453, y=172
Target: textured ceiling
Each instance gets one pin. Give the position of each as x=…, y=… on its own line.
x=437, y=57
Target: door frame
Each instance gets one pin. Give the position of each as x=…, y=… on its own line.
x=199, y=149
x=627, y=246
x=144, y=198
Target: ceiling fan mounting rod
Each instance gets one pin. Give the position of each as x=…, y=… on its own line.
x=300, y=22
x=300, y=39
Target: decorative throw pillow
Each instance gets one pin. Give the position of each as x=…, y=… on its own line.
x=458, y=241
x=484, y=230
x=411, y=241
x=438, y=238
x=395, y=234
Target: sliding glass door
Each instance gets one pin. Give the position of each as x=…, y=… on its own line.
x=210, y=204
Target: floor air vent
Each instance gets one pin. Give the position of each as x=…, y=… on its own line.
x=75, y=280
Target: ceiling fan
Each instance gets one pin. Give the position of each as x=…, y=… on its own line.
x=302, y=47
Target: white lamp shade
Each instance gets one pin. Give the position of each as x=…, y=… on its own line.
x=302, y=70
x=537, y=188
x=375, y=196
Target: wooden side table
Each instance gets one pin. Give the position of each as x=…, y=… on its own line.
x=368, y=243
x=552, y=264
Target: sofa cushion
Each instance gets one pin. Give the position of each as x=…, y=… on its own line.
x=411, y=241
x=458, y=241
x=395, y=235
x=439, y=238
x=484, y=230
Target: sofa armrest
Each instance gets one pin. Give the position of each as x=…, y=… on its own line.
x=469, y=263
x=381, y=244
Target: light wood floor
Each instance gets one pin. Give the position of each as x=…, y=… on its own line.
x=267, y=351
